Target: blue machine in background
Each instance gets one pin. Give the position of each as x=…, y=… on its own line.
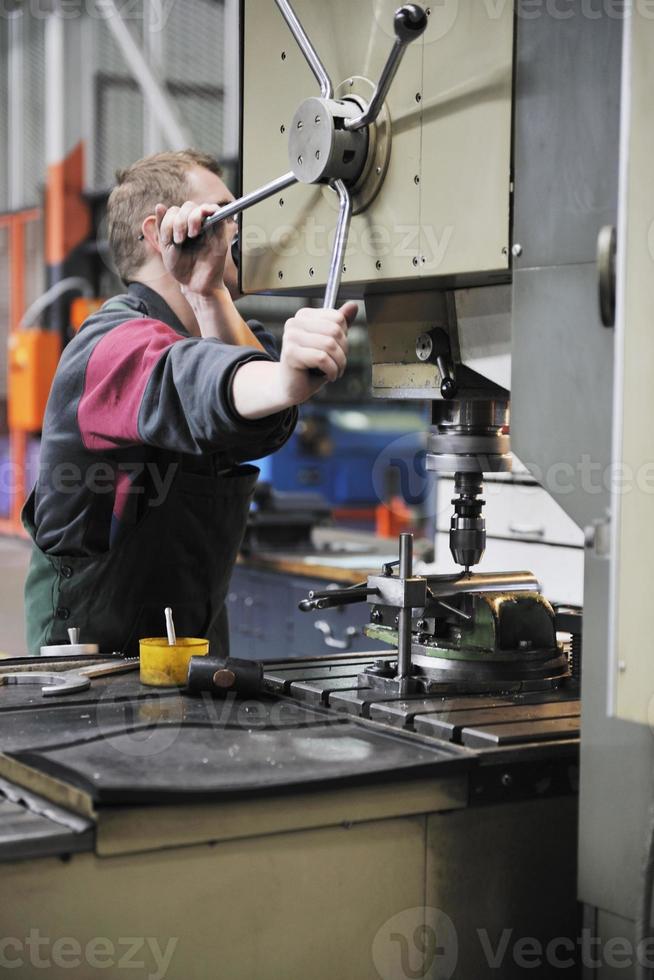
x=351, y=450
x=355, y=456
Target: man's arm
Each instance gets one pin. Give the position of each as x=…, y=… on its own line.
x=142, y=384
x=199, y=269
x=218, y=317
x=314, y=340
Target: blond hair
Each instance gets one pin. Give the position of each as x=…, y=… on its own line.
x=158, y=179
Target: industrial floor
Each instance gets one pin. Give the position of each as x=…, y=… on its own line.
x=14, y=557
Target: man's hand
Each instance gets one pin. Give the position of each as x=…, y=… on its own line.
x=197, y=267
x=312, y=339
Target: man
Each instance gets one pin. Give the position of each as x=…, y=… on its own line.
x=141, y=500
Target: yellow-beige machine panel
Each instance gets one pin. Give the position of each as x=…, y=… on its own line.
x=443, y=207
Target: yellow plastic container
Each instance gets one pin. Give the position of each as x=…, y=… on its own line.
x=166, y=666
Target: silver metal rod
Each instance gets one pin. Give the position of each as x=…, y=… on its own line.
x=404, y=615
x=389, y=71
x=340, y=244
x=444, y=585
x=454, y=610
x=248, y=200
x=406, y=555
x=410, y=23
x=307, y=48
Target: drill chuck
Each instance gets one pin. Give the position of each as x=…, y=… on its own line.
x=467, y=540
x=468, y=526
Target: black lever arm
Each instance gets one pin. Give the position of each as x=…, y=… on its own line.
x=336, y=597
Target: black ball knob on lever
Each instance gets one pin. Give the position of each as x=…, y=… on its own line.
x=410, y=21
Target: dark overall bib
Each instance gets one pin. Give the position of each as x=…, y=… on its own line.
x=180, y=554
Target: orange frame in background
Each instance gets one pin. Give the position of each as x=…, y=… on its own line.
x=16, y=222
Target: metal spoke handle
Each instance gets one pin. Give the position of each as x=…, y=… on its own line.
x=410, y=22
x=342, y=227
x=248, y=200
x=340, y=244
x=338, y=254
x=307, y=48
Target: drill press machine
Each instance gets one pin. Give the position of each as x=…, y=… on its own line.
x=373, y=147
x=463, y=632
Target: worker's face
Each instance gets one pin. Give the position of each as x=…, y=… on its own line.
x=208, y=188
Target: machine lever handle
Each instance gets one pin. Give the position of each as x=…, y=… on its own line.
x=410, y=22
x=338, y=252
x=340, y=244
x=335, y=597
x=248, y=200
x=307, y=48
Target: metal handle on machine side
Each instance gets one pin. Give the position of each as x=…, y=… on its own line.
x=342, y=226
x=307, y=48
x=338, y=253
x=326, y=90
x=410, y=22
x=248, y=200
x=335, y=597
x=340, y=240
x=340, y=244
x=331, y=641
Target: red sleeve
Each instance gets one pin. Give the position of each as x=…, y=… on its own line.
x=144, y=384
x=117, y=376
